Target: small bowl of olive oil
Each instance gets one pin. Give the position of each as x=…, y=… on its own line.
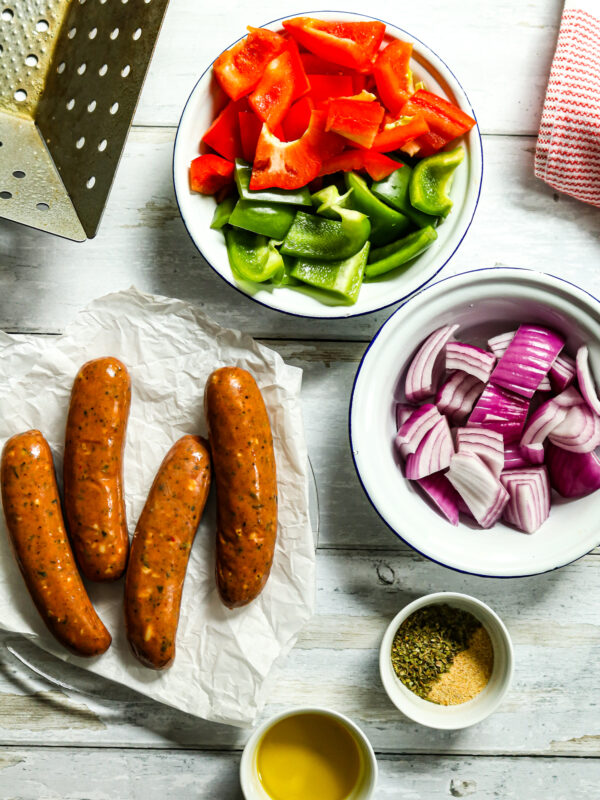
x=308, y=753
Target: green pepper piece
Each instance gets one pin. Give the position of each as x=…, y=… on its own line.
x=271, y=219
x=387, y=224
x=326, y=239
x=342, y=279
x=253, y=257
x=384, y=259
x=222, y=213
x=242, y=174
x=393, y=190
x=431, y=181
x=325, y=199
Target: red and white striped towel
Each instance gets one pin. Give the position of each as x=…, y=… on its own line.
x=567, y=154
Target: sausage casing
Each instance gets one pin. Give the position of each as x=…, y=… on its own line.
x=161, y=548
x=93, y=468
x=39, y=539
x=244, y=466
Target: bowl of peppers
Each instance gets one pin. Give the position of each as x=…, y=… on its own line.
x=327, y=165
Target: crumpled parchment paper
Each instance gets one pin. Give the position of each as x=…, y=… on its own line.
x=224, y=658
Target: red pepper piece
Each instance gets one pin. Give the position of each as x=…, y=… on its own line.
x=442, y=116
x=377, y=165
x=313, y=65
x=273, y=96
x=301, y=82
x=224, y=134
x=250, y=126
x=296, y=120
x=393, y=75
x=324, y=87
x=240, y=68
x=351, y=44
x=359, y=82
x=396, y=133
x=430, y=143
x=357, y=120
x=210, y=173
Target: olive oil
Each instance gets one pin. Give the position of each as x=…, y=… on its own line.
x=308, y=756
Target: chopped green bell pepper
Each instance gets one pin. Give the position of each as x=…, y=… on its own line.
x=317, y=237
x=384, y=259
x=431, y=181
x=326, y=198
x=271, y=219
x=222, y=213
x=243, y=171
x=386, y=223
x=341, y=279
x=253, y=257
x=394, y=190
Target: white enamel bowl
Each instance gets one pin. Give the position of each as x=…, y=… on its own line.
x=465, y=714
x=197, y=210
x=484, y=303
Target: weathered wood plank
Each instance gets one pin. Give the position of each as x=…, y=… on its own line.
x=555, y=632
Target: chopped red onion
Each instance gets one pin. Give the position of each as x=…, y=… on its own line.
x=586, y=381
x=427, y=366
x=573, y=474
x=415, y=428
x=501, y=411
x=513, y=457
x=562, y=372
x=442, y=493
x=579, y=431
x=457, y=396
x=529, y=497
x=484, y=496
x=545, y=385
x=433, y=454
x=499, y=344
x=527, y=360
x=488, y=445
x=470, y=359
x=543, y=422
x=403, y=412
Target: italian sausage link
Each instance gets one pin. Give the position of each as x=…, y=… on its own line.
x=93, y=468
x=39, y=539
x=161, y=549
x=244, y=467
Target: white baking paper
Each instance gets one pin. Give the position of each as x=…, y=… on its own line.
x=224, y=658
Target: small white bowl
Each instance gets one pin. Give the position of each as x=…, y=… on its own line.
x=197, y=210
x=252, y=787
x=483, y=303
x=465, y=714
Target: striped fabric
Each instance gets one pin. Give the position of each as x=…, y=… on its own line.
x=567, y=154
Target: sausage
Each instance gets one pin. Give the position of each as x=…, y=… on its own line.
x=41, y=546
x=161, y=548
x=93, y=468
x=244, y=467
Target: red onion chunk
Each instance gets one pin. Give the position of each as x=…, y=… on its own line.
x=499, y=344
x=573, y=474
x=433, y=454
x=501, y=411
x=470, y=359
x=529, y=497
x=527, y=360
x=483, y=494
x=514, y=458
x=579, y=432
x=586, y=381
x=458, y=395
x=562, y=372
x=415, y=428
x=545, y=385
x=488, y=445
x=403, y=412
x=443, y=494
x=427, y=366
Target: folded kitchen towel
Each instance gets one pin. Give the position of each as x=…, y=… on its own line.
x=567, y=154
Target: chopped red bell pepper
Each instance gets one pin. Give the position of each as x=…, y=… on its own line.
x=393, y=75
x=240, y=68
x=377, y=165
x=273, y=96
x=355, y=119
x=296, y=120
x=210, y=173
x=224, y=134
x=250, y=126
x=351, y=44
x=395, y=133
x=301, y=82
x=430, y=143
x=442, y=116
x=323, y=87
x=359, y=82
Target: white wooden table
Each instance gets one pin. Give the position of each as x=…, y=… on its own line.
x=544, y=742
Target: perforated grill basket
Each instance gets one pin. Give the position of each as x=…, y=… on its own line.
x=71, y=72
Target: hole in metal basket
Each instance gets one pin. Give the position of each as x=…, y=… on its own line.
x=80, y=142
x=42, y=25
x=8, y=14
x=72, y=33
x=91, y=106
x=102, y=145
x=114, y=33
x=31, y=60
x=61, y=68
x=92, y=33
x=114, y=108
x=90, y=183
x=103, y=70
x=70, y=104
x=81, y=68
x=5, y=195
x=20, y=95
x=42, y=206
x=125, y=71
x=136, y=34
x=18, y=173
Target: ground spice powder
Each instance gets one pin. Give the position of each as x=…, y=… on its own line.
x=469, y=672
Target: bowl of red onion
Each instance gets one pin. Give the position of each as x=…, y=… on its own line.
x=475, y=422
